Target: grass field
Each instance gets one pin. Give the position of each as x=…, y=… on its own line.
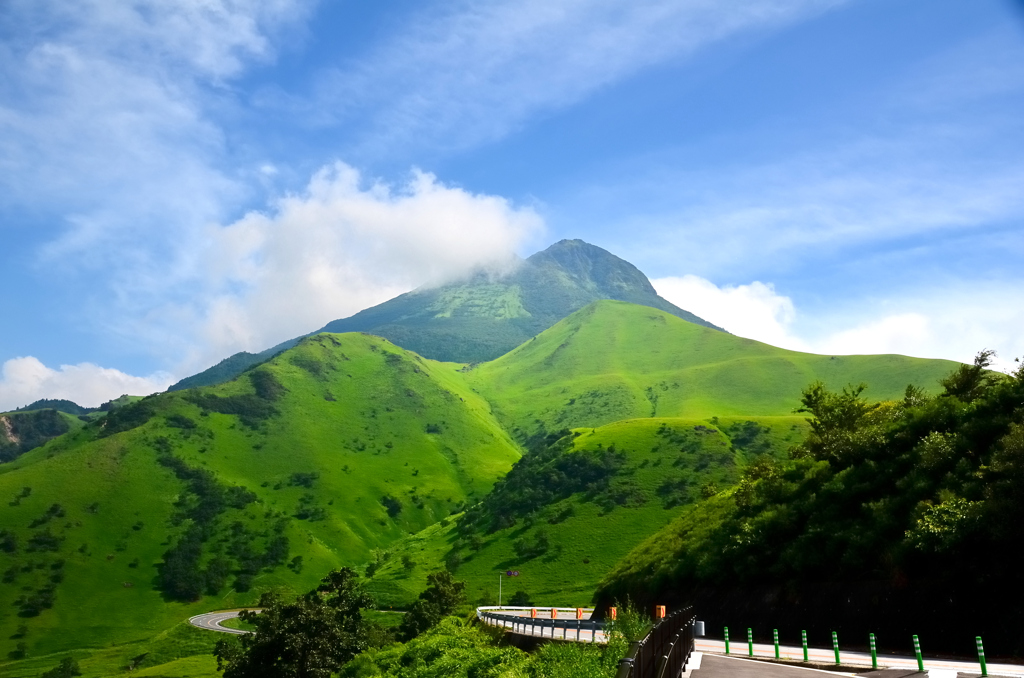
x=612, y=361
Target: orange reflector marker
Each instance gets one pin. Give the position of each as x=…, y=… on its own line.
x=612, y=612
x=659, y=611
x=579, y=613
x=554, y=613
x=533, y=613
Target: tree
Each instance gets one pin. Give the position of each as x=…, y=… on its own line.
x=311, y=637
x=970, y=382
x=440, y=599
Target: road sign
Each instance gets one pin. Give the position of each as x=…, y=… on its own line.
x=512, y=573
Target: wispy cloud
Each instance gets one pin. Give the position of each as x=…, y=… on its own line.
x=465, y=73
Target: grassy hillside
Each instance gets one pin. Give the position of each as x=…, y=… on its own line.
x=612, y=361
x=573, y=507
x=196, y=500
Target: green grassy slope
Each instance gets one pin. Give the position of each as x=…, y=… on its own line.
x=613, y=361
x=319, y=437
x=666, y=462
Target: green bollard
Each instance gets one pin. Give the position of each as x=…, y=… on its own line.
x=803, y=640
x=835, y=645
x=917, y=651
x=775, y=636
x=750, y=642
x=727, y=640
x=874, y=653
x=981, y=656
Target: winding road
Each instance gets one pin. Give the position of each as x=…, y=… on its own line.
x=211, y=621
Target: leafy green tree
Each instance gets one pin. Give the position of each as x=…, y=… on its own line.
x=311, y=637
x=442, y=596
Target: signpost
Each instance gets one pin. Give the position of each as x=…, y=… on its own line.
x=508, y=573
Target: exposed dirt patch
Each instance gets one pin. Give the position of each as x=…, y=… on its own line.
x=8, y=430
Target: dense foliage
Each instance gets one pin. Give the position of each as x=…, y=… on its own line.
x=543, y=476
x=310, y=637
x=442, y=597
x=457, y=649
x=904, y=493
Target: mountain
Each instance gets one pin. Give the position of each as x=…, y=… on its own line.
x=61, y=405
x=346, y=447
x=612, y=361
x=486, y=316
x=676, y=406
x=195, y=500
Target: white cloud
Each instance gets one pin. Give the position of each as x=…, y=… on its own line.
x=754, y=311
x=470, y=72
x=954, y=324
x=342, y=246
x=26, y=379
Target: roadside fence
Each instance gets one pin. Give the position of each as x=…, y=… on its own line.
x=544, y=622
x=665, y=651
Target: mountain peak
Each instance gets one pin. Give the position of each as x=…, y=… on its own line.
x=484, y=316
x=597, y=268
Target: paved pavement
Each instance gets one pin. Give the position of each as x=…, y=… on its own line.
x=936, y=668
x=716, y=666
x=211, y=621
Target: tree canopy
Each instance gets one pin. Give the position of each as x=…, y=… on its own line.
x=310, y=637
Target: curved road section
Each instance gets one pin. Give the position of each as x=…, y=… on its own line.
x=211, y=621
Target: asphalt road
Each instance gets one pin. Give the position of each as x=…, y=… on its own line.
x=211, y=621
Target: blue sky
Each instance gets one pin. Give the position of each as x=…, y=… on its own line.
x=181, y=181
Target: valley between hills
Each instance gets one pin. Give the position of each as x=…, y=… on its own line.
x=557, y=458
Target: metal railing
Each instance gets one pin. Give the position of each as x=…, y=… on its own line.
x=519, y=620
x=664, y=652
